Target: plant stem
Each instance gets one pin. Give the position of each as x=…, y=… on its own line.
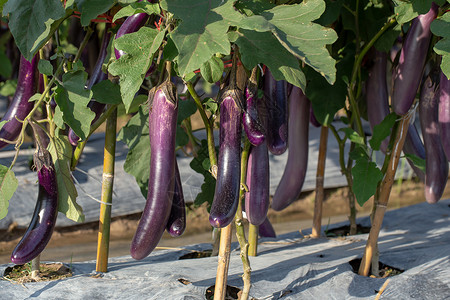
x=83, y=43
x=107, y=191
x=80, y=147
x=253, y=231
x=384, y=191
x=317, y=219
x=35, y=263
x=238, y=220
x=223, y=263
x=208, y=127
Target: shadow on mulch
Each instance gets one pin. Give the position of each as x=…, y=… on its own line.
x=345, y=230
x=232, y=293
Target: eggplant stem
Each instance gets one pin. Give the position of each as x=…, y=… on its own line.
x=397, y=140
x=107, y=192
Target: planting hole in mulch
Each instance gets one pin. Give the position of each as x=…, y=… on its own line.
x=232, y=293
x=197, y=254
x=47, y=272
x=385, y=270
x=345, y=230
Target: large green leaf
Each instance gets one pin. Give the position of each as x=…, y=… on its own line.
x=203, y=30
x=137, y=7
x=137, y=162
x=131, y=68
x=366, y=176
x=30, y=22
x=106, y=92
x=293, y=27
x=441, y=27
x=72, y=99
x=61, y=152
x=8, y=185
x=137, y=126
x=212, y=70
x=382, y=131
x=90, y=9
x=407, y=10
x=263, y=47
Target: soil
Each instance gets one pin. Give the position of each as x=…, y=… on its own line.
x=79, y=243
x=22, y=273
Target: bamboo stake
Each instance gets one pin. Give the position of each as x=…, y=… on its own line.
x=253, y=232
x=220, y=288
x=317, y=219
x=107, y=190
x=384, y=192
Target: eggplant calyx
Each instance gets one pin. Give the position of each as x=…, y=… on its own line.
x=42, y=158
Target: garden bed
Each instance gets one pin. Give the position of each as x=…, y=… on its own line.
x=415, y=239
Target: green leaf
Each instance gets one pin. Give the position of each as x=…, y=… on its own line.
x=212, y=70
x=382, y=131
x=366, y=176
x=211, y=105
x=8, y=88
x=35, y=97
x=90, y=9
x=353, y=136
x=132, y=66
x=417, y=161
x=200, y=165
x=181, y=137
x=45, y=67
x=30, y=22
x=61, y=152
x=137, y=162
x=137, y=7
x=186, y=108
x=408, y=10
x=72, y=99
x=292, y=25
x=8, y=185
x=2, y=3
x=203, y=30
x=263, y=47
x=359, y=152
x=137, y=126
x=441, y=27
x=106, y=92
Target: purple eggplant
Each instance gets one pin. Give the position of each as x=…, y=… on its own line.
x=258, y=195
x=177, y=218
x=277, y=114
x=266, y=229
x=293, y=177
x=253, y=123
x=436, y=168
x=312, y=118
x=27, y=80
x=377, y=96
x=377, y=100
x=43, y=222
x=226, y=195
x=444, y=113
x=97, y=76
x=131, y=24
x=162, y=128
x=408, y=73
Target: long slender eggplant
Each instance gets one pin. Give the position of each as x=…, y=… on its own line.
x=277, y=114
x=177, y=218
x=226, y=196
x=266, y=229
x=162, y=128
x=96, y=76
x=444, y=113
x=43, y=222
x=293, y=177
x=409, y=71
x=377, y=96
x=377, y=100
x=436, y=169
x=131, y=24
x=251, y=118
x=28, y=80
x=258, y=195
